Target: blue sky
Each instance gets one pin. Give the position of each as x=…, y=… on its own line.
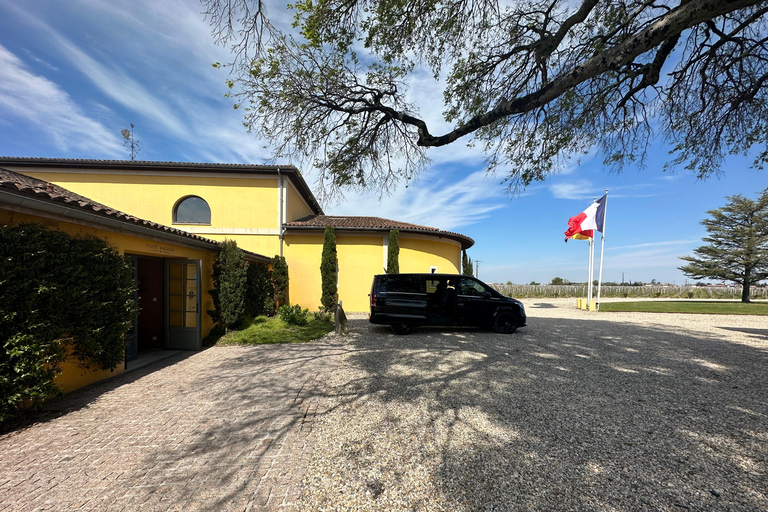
x=73, y=74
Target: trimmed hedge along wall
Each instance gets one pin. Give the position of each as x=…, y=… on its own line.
x=59, y=296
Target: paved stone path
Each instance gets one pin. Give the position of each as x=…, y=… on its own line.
x=223, y=429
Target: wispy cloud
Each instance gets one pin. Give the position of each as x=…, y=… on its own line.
x=655, y=244
x=584, y=189
x=434, y=203
x=123, y=89
x=36, y=100
x=110, y=79
x=579, y=189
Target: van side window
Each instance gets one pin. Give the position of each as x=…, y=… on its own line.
x=405, y=284
x=471, y=288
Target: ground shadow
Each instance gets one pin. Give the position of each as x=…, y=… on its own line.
x=594, y=415
x=73, y=401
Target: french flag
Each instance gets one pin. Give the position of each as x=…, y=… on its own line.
x=582, y=226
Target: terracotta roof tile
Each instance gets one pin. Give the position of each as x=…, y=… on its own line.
x=27, y=185
x=375, y=224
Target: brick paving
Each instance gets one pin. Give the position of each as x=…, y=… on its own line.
x=223, y=429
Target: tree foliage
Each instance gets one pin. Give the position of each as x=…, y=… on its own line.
x=393, y=252
x=61, y=296
x=230, y=276
x=280, y=280
x=329, y=264
x=533, y=82
x=466, y=264
x=737, y=244
x=259, y=295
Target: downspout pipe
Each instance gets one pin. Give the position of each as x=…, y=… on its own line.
x=280, y=219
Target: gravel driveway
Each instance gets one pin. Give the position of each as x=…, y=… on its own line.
x=577, y=411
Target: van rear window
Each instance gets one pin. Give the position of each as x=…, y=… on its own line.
x=405, y=284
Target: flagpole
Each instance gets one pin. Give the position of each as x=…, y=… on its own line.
x=602, y=250
x=591, y=271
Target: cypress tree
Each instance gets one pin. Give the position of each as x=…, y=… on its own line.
x=230, y=277
x=393, y=252
x=466, y=264
x=328, y=266
x=280, y=280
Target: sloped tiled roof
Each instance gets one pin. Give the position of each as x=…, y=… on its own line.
x=374, y=224
x=43, y=190
x=144, y=166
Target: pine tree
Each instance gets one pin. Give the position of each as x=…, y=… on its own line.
x=328, y=271
x=737, y=249
x=393, y=252
x=466, y=264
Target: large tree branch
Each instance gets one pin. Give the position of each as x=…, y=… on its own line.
x=667, y=27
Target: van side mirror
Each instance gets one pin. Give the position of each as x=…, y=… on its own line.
x=485, y=295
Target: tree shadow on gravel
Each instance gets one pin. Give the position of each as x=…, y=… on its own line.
x=578, y=415
x=245, y=423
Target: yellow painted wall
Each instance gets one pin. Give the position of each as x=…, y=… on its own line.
x=302, y=253
x=295, y=207
x=235, y=202
x=360, y=258
x=73, y=376
x=417, y=255
x=266, y=245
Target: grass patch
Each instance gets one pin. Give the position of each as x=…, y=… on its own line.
x=689, y=306
x=262, y=330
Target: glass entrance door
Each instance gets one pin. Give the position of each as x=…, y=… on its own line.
x=131, y=337
x=183, y=304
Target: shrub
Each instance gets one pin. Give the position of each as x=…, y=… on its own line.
x=322, y=316
x=293, y=315
x=230, y=272
x=329, y=271
x=259, y=294
x=60, y=296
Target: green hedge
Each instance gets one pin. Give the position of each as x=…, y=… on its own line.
x=58, y=293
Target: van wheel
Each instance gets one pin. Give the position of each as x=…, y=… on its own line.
x=505, y=323
x=401, y=329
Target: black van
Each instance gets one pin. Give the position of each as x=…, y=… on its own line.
x=404, y=301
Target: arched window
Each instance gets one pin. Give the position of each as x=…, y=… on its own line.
x=191, y=210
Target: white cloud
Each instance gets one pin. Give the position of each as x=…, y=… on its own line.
x=154, y=59
x=36, y=100
x=655, y=244
x=432, y=203
x=116, y=84
x=571, y=190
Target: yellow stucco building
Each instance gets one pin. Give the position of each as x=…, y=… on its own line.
x=268, y=210
x=172, y=267
x=169, y=217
